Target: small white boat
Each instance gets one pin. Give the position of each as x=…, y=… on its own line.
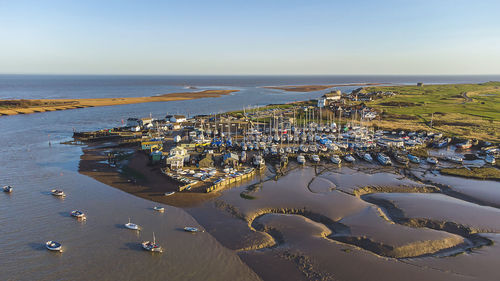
x=349, y=158
x=159, y=209
x=53, y=246
x=8, y=189
x=490, y=159
x=432, y=160
x=169, y=193
x=78, y=214
x=301, y=159
x=57, y=192
x=455, y=159
x=367, y=157
x=192, y=229
x=315, y=158
x=335, y=159
x=132, y=226
x=152, y=246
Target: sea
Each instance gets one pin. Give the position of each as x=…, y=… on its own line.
x=33, y=160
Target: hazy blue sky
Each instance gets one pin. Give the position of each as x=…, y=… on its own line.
x=250, y=37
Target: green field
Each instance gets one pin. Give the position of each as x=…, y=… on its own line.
x=466, y=110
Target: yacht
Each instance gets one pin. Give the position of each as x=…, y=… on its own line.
x=315, y=158
x=367, y=157
x=132, y=226
x=301, y=159
x=384, y=159
x=335, y=159
x=152, y=246
x=349, y=158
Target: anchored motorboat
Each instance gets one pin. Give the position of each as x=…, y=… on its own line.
x=132, y=226
x=57, y=192
x=53, y=246
x=152, y=246
x=192, y=229
x=159, y=209
x=8, y=189
x=78, y=214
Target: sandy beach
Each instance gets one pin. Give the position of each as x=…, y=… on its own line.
x=13, y=107
x=312, y=88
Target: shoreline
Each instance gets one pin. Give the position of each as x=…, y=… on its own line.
x=313, y=88
x=28, y=106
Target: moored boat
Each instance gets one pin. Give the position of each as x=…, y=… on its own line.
x=432, y=160
x=349, y=158
x=384, y=159
x=301, y=159
x=78, y=214
x=159, y=209
x=413, y=159
x=169, y=193
x=53, y=246
x=132, y=226
x=192, y=229
x=58, y=193
x=315, y=158
x=367, y=157
x=490, y=159
x=8, y=189
x=152, y=246
x=335, y=159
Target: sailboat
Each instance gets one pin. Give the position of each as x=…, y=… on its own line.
x=152, y=246
x=132, y=226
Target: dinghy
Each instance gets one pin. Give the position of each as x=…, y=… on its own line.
x=192, y=229
x=78, y=214
x=53, y=246
x=159, y=209
x=57, y=192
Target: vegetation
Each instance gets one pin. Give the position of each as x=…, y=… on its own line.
x=467, y=110
x=484, y=173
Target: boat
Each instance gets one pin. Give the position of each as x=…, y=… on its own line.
x=152, y=246
x=367, y=157
x=335, y=159
x=259, y=160
x=169, y=193
x=315, y=158
x=78, y=214
x=159, y=209
x=349, y=158
x=53, y=246
x=132, y=226
x=414, y=159
x=58, y=193
x=384, y=159
x=301, y=159
x=464, y=145
x=432, y=160
x=192, y=229
x=8, y=189
x=490, y=159
x=401, y=159
x=455, y=159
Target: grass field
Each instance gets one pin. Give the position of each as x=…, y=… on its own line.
x=466, y=110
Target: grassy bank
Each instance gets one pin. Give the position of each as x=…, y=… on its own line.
x=484, y=173
x=467, y=110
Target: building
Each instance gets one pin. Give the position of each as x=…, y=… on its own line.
x=321, y=102
x=152, y=145
x=333, y=96
x=176, y=158
x=133, y=122
x=175, y=118
x=230, y=159
x=207, y=161
x=146, y=122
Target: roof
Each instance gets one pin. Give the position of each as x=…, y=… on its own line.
x=230, y=155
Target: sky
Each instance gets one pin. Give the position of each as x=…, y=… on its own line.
x=250, y=37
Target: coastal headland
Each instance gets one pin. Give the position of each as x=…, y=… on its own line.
x=27, y=106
